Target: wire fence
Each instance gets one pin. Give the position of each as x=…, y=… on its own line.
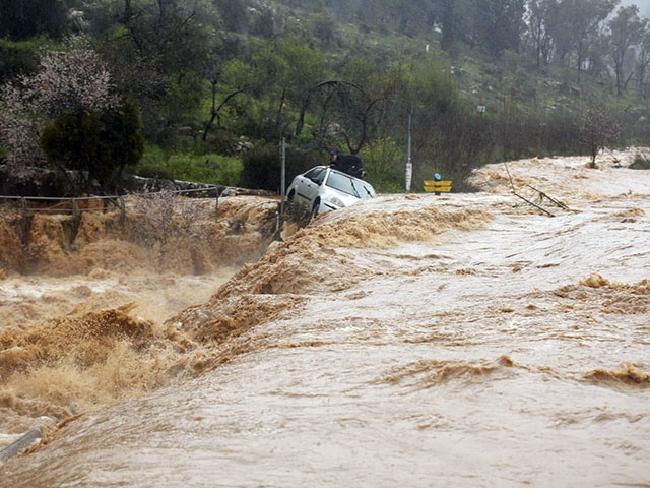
x=111, y=197
x=77, y=205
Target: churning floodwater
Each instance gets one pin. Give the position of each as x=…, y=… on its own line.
x=461, y=340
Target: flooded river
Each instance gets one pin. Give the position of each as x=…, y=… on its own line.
x=462, y=340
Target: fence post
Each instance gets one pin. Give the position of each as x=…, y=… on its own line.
x=283, y=159
x=122, y=210
x=24, y=223
x=216, y=202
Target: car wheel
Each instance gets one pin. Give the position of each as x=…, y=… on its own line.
x=291, y=195
x=296, y=213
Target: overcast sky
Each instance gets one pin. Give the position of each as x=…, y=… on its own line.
x=644, y=5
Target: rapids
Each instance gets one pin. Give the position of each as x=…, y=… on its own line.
x=462, y=340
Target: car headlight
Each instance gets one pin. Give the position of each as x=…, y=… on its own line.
x=336, y=202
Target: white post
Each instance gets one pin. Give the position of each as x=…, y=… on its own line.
x=409, y=164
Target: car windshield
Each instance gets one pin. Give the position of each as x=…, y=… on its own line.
x=365, y=190
x=342, y=183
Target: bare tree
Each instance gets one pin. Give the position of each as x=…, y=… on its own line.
x=165, y=218
x=642, y=64
x=348, y=108
x=215, y=108
x=598, y=130
x=538, y=17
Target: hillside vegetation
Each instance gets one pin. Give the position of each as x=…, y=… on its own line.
x=205, y=89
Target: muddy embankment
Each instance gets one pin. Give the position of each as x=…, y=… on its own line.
x=189, y=236
x=83, y=300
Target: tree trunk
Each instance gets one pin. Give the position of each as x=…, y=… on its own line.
x=213, y=110
x=127, y=11
x=619, y=79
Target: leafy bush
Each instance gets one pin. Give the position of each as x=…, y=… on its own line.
x=19, y=57
x=640, y=162
x=384, y=163
x=206, y=168
x=122, y=139
x=72, y=141
x=101, y=144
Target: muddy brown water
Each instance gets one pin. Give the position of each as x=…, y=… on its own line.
x=505, y=349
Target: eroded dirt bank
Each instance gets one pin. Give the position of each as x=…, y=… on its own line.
x=161, y=233
x=85, y=326
x=407, y=341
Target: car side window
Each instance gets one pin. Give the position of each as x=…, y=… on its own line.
x=317, y=175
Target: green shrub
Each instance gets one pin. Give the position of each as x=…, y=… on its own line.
x=101, y=144
x=199, y=168
x=72, y=141
x=640, y=162
x=219, y=141
x=384, y=162
x=206, y=168
x=18, y=57
x=152, y=156
x=122, y=139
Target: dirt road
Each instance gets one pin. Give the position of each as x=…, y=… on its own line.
x=414, y=340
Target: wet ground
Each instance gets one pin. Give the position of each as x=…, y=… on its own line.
x=422, y=341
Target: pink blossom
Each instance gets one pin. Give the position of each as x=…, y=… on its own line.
x=72, y=80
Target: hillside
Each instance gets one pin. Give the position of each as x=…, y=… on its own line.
x=217, y=84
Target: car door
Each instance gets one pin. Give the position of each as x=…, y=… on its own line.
x=309, y=184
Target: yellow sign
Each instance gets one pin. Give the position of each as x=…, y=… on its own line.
x=432, y=186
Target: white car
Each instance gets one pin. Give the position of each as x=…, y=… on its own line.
x=323, y=188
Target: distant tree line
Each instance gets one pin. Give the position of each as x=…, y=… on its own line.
x=591, y=35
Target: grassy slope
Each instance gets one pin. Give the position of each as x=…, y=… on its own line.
x=511, y=83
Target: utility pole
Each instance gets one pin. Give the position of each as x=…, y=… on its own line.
x=283, y=157
x=409, y=164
